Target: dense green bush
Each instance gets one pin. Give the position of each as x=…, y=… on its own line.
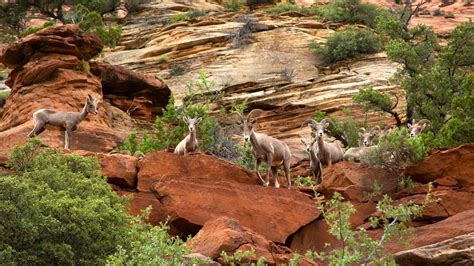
x=58, y=210
x=150, y=244
x=92, y=22
x=287, y=7
x=350, y=11
x=347, y=44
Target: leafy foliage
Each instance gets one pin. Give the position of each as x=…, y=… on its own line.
x=58, y=210
x=240, y=256
x=357, y=246
x=12, y=21
x=149, y=243
x=307, y=181
x=93, y=23
x=378, y=101
x=396, y=150
x=345, y=130
x=349, y=11
x=289, y=7
x=346, y=44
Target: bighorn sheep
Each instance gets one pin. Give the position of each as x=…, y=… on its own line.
x=268, y=149
x=355, y=153
x=68, y=121
x=418, y=127
x=314, y=162
x=329, y=152
x=190, y=142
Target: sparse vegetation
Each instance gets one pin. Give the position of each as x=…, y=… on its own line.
x=357, y=247
x=32, y=30
x=233, y=5
x=349, y=11
x=187, y=15
x=3, y=97
x=242, y=36
x=240, y=257
x=306, y=181
x=346, y=44
x=289, y=7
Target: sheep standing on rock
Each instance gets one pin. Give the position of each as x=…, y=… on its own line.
x=314, y=162
x=190, y=142
x=329, y=152
x=268, y=149
x=418, y=127
x=355, y=153
x=68, y=121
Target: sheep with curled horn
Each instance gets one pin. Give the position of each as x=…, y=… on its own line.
x=273, y=152
x=314, y=162
x=190, y=142
x=418, y=127
x=355, y=153
x=329, y=152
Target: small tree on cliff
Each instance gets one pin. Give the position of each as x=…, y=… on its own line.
x=357, y=247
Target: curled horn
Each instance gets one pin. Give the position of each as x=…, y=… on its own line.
x=362, y=129
x=239, y=115
x=309, y=121
x=376, y=128
x=424, y=121
x=249, y=115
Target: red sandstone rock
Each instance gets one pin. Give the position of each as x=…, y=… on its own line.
x=117, y=80
x=355, y=181
x=120, y=169
x=456, y=164
x=68, y=40
x=197, y=188
x=226, y=234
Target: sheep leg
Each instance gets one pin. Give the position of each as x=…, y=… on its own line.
x=269, y=166
x=66, y=139
x=275, y=176
x=257, y=166
x=38, y=129
x=287, y=172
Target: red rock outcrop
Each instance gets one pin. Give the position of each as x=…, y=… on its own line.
x=225, y=234
x=51, y=71
x=442, y=166
x=196, y=188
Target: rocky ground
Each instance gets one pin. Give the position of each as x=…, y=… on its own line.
x=218, y=202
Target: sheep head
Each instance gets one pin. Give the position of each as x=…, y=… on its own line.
x=247, y=122
x=308, y=143
x=418, y=127
x=191, y=122
x=316, y=127
x=368, y=137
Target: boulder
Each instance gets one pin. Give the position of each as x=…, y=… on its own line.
x=455, y=164
x=225, y=234
x=355, y=181
x=198, y=187
x=119, y=81
x=68, y=40
x=455, y=251
x=120, y=169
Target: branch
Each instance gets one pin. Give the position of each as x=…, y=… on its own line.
x=382, y=239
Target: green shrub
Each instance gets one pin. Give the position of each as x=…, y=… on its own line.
x=32, y=30
x=347, y=44
x=58, y=209
x=356, y=247
x=287, y=7
x=304, y=181
x=345, y=130
x=150, y=244
x=349, y=11
x=187, y=15
x=396, y=150
x=233, y=5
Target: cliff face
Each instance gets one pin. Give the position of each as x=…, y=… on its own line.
x=271, y=67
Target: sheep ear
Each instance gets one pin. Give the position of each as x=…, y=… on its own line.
x=361, y=134
x=252, y=120
x=409, y=125
x=302, y=141
x=198, y=119
x=324, y=122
